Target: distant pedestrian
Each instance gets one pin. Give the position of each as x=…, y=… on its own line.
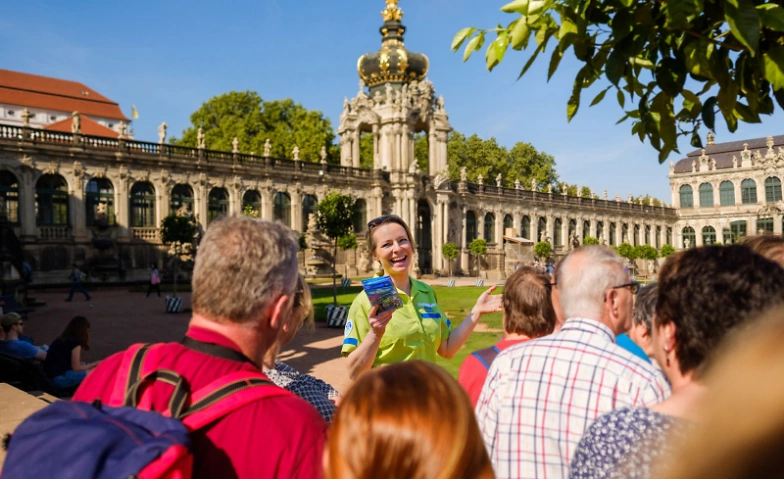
x=76, y=277
x=155, y=281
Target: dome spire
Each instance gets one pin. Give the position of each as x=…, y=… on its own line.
x=392, y=12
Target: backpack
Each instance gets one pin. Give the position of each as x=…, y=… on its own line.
x=486, y=356
x=125, y=438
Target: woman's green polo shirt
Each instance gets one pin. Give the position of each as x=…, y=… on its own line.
x=415, y=331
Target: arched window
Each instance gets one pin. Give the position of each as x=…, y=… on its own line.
x=217, y=204
x=772, y=189
x=99, y=201
x=310, y=207
x=600, y=230
x=587, y=229
x=181, y=200
x=558, y=226
x=281, y=209
x=143, y=204
x=748, y=191
x=51, y=201
x=251, y=203
x=490, y=228
x=572, y=230
x=689, y=237
x=708, y=235
x=9, y=192
x=508, y=223
x=613, y=234
x=471, y=232
x=636, y=235
x=360, y=216
x=541, y=229
x=525, y=227
x=727, y=193
x=687, y=196
x=706, y=195
x=625, y=233
x=737, y=230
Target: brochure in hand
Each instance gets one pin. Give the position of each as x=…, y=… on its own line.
x=381, y=291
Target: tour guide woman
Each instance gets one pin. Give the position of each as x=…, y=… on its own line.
x=419, y=329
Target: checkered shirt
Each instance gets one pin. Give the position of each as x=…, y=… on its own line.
x=541, y=396
x=313, y=390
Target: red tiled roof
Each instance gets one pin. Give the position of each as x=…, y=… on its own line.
x=37, y=91
x=89, y=127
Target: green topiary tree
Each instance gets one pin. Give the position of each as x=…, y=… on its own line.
x=666, y=250
x=478, y=248
x=589, y=240
x=335, y=218
x=542, y=250
x=625, y=250
x=179, y=233
x=449, y=251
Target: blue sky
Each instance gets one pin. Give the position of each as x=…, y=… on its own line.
x=168, y=57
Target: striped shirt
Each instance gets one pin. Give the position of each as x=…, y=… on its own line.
x=541, y=396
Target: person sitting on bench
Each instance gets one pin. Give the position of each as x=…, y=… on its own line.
x=13, y=325
x=63, y=363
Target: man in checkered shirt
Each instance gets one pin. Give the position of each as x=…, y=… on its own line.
x=540, y=396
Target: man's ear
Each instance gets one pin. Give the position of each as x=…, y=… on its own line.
x=277, y=310
x=668, y=335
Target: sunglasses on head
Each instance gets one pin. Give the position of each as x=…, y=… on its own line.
x=381, y=219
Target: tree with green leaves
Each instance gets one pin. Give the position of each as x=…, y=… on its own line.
x=666, y=250
x=590, y=240
x=673, y=65
x=626, y=250
x=450, y=252
x=478, y=248
x=543, y=250
x=335, y=214
x=646, y=252
x=252, y=121
x=179, y=233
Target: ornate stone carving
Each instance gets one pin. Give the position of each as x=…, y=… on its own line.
x=200, y=138
x=463, y=174
x=76, y=123
x=26, y=117
x=267, y=148
x=162, y=133
x=295, y=152
x=235, y=145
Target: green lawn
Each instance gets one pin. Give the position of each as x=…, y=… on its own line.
x=456, y=303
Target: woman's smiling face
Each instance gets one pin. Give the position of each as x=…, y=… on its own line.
x=393, y=249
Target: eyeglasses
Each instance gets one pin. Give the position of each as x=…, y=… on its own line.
x=634, y=286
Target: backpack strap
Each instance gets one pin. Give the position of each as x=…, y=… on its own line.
x=226, y=395
x=178, y=397
x=487, y=356
x=129, y=372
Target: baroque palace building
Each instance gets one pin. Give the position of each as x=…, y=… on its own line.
x=98, y=201
x=728, y=190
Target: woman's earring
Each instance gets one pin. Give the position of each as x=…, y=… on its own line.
x=667, y=352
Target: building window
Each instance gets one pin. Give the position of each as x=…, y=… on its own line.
x=689, y=237
x=624, y=233
x=471, y=232
x=636, y=238
x=541, y=229
x=525, y=227
x=557, y=240
x=360, y=216
x=748, y=191
x=11, y=112
x=52, y=118
x=9, y=192
x=572, y=230
x=310, y=207
x=764, y=226
x=143, y=205
x=217, y=204
x=600, y=230
x=490, y=228
x=687, y=196
x=737, y=230
x=181, y=200
x=727, y=193
x=508, y=224
x=587, y=229
x=251, y=203
x=99, y=202
x=772, y=189
x=706, y=195
x=669, y=235
x=708, y=235
x=51, y=201
x=281, y=209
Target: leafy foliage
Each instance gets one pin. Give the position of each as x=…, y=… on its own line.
x=348, y=241
x=478, y=248
x=249, y=211
x=625, y=250
x=335, y=214
x=666, y=250
x=450, y=252
x=542, y=250
x=646, y=251
x=673, y=65
x=589, y=240
x=251, y=120
x=180, y=233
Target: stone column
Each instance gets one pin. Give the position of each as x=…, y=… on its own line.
x=480, y=225
x=27, y=206
x=122, y=206
x=266, y=203
x=445, y=237
x=163, y=193
x=412, y=212
x=355, y=148
x=776, y=224
x=463, y=243
x=437, y=234
x=76, y=208
x=296, y=211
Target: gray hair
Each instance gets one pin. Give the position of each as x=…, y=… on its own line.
x=583, y=277
x=243, y=264
x=645, y=304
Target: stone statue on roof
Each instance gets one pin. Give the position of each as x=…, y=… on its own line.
x=463, y=174
x=76, y=123
x=123, y=130
x=162, y=133
x=323, y=153
x=267, y=148
x=200, y=138
x=498, y=180
x=235, y=145
x=295, y=152
x=26, y=117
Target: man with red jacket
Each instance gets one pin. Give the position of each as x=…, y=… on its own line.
x=243, y=284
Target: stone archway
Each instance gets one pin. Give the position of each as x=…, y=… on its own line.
x=424, y=237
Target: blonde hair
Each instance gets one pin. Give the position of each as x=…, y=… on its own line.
x=740, y=429
x=302, y=311
x=409, y=420
x=242, y=265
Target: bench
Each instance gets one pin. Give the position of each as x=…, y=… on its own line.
x=11, y=305
x=26, y=375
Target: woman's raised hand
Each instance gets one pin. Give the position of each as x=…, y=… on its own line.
x=378, y=321
x=488, y=303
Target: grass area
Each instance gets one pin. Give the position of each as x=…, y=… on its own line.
x=456, y=303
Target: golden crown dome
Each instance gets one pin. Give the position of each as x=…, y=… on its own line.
x=392, y=12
